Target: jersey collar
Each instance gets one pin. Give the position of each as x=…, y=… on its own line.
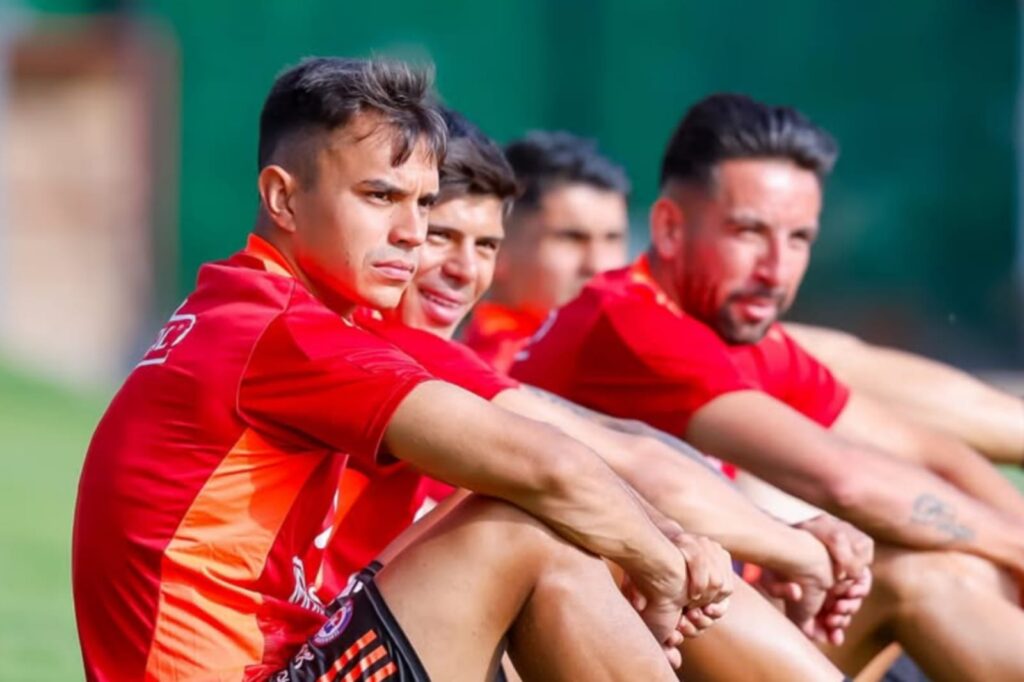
x=640, y=273
x=272, y=259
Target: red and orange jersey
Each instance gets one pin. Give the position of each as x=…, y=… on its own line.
x=787, y=372
x=210, y=487
x=497, y=333
x=623, y=348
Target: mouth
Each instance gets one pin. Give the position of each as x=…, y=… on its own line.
x=756, y=309
x=397, y=270
x=442, y=307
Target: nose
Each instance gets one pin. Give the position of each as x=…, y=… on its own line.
x=461, y=266
x=601, y=255
x=409, y=226
x=771, y=263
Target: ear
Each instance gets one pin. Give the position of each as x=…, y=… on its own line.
x=277, y=188
x=668, y=223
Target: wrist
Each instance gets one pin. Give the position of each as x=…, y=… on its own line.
x=803, y=555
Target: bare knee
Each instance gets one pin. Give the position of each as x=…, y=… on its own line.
x=500, y=527
x=911, y=577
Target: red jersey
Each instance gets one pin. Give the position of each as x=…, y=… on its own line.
x=206, y=496
x=497, y=333
x=381, y=504
x=623, y=348
x=787, y=372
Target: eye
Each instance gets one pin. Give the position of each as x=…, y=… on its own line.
x=804, y=237
x=488, y=245
x=379, y=196
x=435, y=236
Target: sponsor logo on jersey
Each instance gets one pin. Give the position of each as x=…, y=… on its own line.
x=335, y=625
x=172, y=333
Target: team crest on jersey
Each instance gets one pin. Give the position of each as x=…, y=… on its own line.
x=335, y=625
x=172, y=333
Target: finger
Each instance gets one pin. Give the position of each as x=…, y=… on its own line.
x=699, y=572
x=846, y=607
x=837, y=637
x=716, y=610
x=675, y=639
x=687, y=629
x=699, y=619
x=675, y=659
x=843, y=557
x=837, y=621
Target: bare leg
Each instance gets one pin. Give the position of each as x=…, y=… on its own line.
x=488, y=569
x=754, y=641
x=956, y=615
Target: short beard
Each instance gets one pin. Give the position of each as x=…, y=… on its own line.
x=740, y=334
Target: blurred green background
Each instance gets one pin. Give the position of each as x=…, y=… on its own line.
x=919, y=232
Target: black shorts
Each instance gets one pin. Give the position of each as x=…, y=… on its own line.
x=360, y=642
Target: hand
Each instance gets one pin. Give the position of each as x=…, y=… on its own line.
x=710, y=583
x=852, y=552
x=702, y=599
x=843, y=601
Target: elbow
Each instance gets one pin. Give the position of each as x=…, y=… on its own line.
x=844, y=492
x=561, y=464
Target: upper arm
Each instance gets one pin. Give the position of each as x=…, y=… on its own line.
x=317, y=383
x=462, y=439
x=866, y=420
x=771, y=440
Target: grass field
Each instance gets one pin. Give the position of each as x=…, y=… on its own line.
x=44, y=432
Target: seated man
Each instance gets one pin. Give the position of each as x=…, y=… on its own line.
x=206, y=496
x=456, y=264
x=661, y=341
x=569, y=224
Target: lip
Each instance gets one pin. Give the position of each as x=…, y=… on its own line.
x=397, y=270
x=757, y=309
x=441, y=307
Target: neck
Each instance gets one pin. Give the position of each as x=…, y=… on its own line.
x=281, y=242
x=661, y=272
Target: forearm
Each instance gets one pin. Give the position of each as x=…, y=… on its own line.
x=904, y=504
x=706, y=504
x=973, y=474
x=677, y=480
x=537, y=468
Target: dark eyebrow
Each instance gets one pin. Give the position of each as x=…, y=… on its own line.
x=378, y=185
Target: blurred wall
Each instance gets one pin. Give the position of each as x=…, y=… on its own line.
x=918, y=237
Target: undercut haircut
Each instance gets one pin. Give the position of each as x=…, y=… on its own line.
x=731, y=126
x=322, y=94
x=544, y=161
x=474, y=164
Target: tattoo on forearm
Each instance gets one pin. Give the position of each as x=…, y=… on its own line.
x=929, y=510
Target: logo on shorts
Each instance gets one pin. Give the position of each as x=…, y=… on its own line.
x=335, y=625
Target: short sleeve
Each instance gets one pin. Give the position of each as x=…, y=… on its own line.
x=316, y=380
x=447, y=360
x=782, y=368
x=630, y=358
x=655, y=366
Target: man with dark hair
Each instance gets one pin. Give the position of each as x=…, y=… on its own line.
x=569, y=224
x=676, y=340
x=207, y=495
